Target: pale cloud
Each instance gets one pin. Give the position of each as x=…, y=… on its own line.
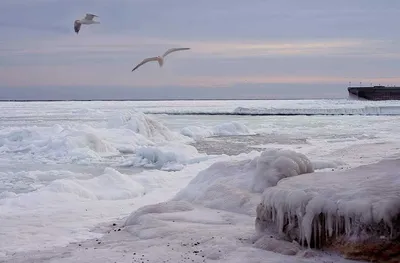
x=232, y=42
x=70, y=45
x=99, y=75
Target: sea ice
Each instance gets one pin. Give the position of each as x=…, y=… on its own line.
x=210, y=220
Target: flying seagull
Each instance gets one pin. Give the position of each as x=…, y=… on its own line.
x=159, y=59
x=87, y=20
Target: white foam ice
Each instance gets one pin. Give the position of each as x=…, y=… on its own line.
x=84, y=144
x=224, y=129
x=165, y=158
x=56, y=143
x=144, y=125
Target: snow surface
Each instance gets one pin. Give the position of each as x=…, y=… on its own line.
x=196, y=227
x=69, y=170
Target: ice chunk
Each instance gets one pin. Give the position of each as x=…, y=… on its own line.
x=145, y=125
x=165, y=158
x=274, y=165
x=235, y=186
x=315, y=207
x=224, y=129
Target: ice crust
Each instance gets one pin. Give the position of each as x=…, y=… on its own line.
x=315, y=207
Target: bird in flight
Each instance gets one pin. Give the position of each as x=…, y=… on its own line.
x=159, y=59
x=87, y=20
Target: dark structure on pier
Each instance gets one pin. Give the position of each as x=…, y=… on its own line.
x=375, y=93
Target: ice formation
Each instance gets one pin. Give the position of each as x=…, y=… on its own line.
x=144, y=125
x=235, y=186
x=280, y=107
x=126, y=133
x=224, y=129
x=332, y=110
x=274, y=165
x=316, y=207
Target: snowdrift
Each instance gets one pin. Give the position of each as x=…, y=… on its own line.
x=217, y=208
x=318, y=208
x=236, y=186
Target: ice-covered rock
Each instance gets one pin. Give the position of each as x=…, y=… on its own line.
x=315, y=208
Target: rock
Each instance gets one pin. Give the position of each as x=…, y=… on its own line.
x=277, y=246
x=309, y=253
x=371, y=250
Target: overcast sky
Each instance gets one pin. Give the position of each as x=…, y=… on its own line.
x=311, y=48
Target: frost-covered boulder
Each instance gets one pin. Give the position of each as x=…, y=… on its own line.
x=318, y=208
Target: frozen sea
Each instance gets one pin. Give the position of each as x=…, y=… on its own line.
x=74, y=174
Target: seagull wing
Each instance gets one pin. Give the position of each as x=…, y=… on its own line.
x=173, y=50
x=145, y=61
x=77, y=26
x=90, y=16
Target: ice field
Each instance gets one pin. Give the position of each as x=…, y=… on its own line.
x=182, y=181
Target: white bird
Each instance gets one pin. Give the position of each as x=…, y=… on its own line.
x=160, y=59
x=87, y=20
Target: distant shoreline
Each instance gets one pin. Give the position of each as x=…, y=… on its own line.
x=59, y=100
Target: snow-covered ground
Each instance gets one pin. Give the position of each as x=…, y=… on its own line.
x=70, y=170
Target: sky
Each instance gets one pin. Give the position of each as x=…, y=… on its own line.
x=238, y=49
